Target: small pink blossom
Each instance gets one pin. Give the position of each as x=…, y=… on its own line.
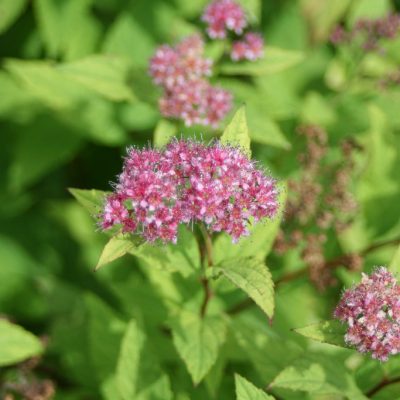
x=189, y=182
x=223, y=15
x=250, y=48
x=372, y=313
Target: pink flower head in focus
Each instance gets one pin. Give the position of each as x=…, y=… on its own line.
x=250, y=48
x=189, y=182
x=223, y=15
x=372, y=312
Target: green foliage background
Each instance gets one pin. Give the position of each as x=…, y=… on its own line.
x=74, y=92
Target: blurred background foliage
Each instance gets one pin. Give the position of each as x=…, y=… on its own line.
x=74, y=92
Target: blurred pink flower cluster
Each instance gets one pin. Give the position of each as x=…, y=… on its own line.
x=372, y=313
x=181, y=71
x=368, y=32
x=189, y=182
x=227, y=15
x=250, y=48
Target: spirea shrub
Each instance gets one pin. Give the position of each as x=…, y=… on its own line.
x=371, y=311
x=189, y=182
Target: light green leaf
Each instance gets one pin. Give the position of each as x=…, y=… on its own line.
x=106, y=75
x=92, y=199
x=115, y=248
x=274, y=60
x=318, y=375
x=322, y=15
x=265, y=130
x=10, y=10
x=317, y=110
x=237, y=132
x=365, y=9
x=259, y=242
x=138, y=376
x=198, y=341
x=42, y=80
x=67, y=28
x=394, y=265
x=164, y=132
x=247, y=391
x=128, y=37
x=253, y=277
x=17, y=344
x=252, y=9
x=331, y=332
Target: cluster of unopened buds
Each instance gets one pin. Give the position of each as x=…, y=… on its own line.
x=189, y=182
x=183, y=71
x=369, y=31
x=372, y=312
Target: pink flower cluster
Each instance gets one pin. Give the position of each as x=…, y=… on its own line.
x=227, y=15
x=189, y=182
x=251, y=48
x=372, y=312
x=224, y=15
x=369, y=32
x=181, y=71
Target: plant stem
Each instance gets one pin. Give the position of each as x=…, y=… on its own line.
x=384, y=382
x=208, y=250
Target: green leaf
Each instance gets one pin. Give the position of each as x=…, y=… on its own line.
x=198, y=341
x=274, y=60
x=67, y=28
x=322, y=15
x=92, y=199
x=331, y=332
x=317, y=110
x=138, y=376
x=182, y=257
x=48, y=84
x=247, y=391
x=106, y=75
x=394, y=265
x=253, y=277
x=41, y=146
x=10, y=10
x=252, y=9
x=164, y=132
x=237, y=132
x=318, y=375
x=259, y=242
x=17, y=344
x=365, y=9
x=104, y=332
x=115, y=248
x=125, y=31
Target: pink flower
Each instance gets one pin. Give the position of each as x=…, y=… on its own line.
x=251, y=48
x=176, y=66
x=181, y=71
x=189, y=182
x=223, y=15
x=372, y=313
x=196, y=103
